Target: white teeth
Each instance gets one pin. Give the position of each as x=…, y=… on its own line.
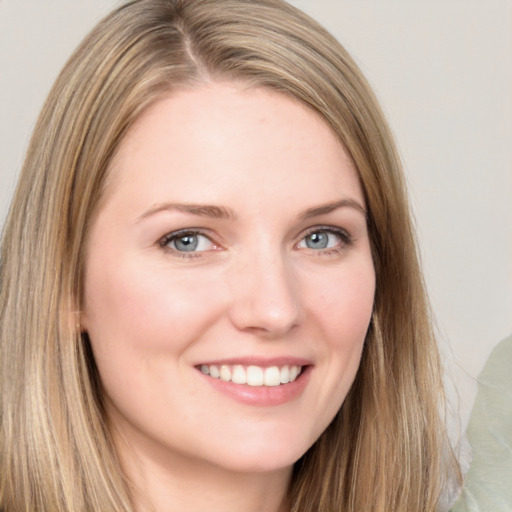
x=285, y=375
x=272, y=376
x=214, y=371
x=225, y=373
x=255, y=376
x=239, y=376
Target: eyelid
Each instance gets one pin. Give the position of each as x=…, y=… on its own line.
x=346, y=238
x=167, y=238
x=321, y=227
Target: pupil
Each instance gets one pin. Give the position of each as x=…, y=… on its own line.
x=187, y=243
x=317, y=240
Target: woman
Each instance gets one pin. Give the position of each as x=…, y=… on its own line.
x=210, y=288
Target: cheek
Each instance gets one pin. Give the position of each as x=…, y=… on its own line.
x=344, y=303
x=343, y=312
x=340, y=304
x=143, y=311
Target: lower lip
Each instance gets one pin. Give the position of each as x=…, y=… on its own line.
x=262, y=396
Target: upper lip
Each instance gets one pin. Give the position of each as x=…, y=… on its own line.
x=263, y=362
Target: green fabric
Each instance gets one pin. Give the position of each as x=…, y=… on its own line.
x=488, y=485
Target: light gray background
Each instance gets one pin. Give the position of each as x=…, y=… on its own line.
x=443, y=72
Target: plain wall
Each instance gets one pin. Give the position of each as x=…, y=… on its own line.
x=443, y=72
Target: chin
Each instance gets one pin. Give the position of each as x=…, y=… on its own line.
x=263, y=458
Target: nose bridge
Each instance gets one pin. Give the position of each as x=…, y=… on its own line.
x=264, y=292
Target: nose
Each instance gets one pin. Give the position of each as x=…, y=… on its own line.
x=265, y=297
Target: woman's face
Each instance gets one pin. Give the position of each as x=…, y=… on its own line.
x=232, y=241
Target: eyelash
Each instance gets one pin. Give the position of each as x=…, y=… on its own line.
x=346, y=241
x=176, y=235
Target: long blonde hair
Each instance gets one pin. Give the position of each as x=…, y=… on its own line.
x=384, y=450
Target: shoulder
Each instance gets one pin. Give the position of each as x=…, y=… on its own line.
x=490, y=434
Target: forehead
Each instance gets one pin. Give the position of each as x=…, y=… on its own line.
x=229, y=136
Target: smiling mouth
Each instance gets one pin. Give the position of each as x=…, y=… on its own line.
x=256, y=376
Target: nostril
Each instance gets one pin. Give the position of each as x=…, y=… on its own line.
x=265, y=299
x=266, y=305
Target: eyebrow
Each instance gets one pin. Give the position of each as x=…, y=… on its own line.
x=329, y=207
x=221, y=212
x=202, y=210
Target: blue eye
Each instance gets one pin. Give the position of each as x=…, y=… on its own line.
x=317, y=240
x=324, y=238
x=187, y=241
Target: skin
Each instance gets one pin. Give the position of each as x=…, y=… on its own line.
x=254, y=288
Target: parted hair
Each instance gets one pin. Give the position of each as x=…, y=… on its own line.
x=385, y=449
